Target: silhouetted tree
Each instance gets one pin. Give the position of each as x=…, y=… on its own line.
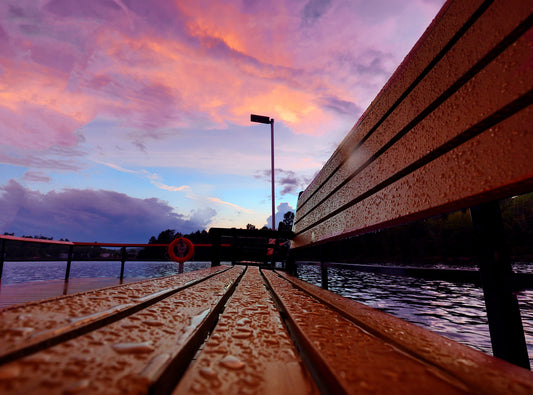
x=288, y=219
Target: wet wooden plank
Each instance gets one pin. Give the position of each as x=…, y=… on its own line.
x=482, y=80
x=129, y=355
x=482, y=96
x=20, y=293
x=435, y=40
x=497, y=167
x=250, y=350
x=358, y=349
x=25, y=328
x=480, y=372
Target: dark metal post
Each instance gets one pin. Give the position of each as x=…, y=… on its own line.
x=233, y=250
x=69, y=261
x=275, y=253
x=123, y=261
x=291, y=264
x=215, y=249
x=323, y=268
x=267, y=120
x=503, y=312
x=2, y=255
x=324, y=275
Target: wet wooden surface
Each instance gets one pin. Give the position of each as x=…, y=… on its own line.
x=451, y=129
x=11, y=294
x=250, y=350
x=232, y=330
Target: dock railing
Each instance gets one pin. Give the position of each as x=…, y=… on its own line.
x=70, y=256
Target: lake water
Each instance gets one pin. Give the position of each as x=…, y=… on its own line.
x=21, y=272
x=456, y=311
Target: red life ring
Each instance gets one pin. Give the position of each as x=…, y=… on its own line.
x=174, y=243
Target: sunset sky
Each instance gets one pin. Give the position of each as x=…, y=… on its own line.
x=122, y=118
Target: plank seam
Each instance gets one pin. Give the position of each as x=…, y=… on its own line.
x=319, y=370
x=176, y=368
x=377, y=334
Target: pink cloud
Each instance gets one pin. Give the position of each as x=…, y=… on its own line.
x=159, y=65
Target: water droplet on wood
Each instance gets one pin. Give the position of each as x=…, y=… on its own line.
x=232, y=362
x=133, y=348
x=10, y=371
x=153, y=323
x=76, y=387
x=208, y=373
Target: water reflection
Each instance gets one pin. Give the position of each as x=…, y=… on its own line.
x=21, y=272
x=456, y=311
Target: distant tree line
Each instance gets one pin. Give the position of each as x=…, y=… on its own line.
x=285, y=225
x=18, y=250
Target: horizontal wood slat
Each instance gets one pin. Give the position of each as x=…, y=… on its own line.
x=434, y=43
x=127, y=355
x=351, y=359
x=478, y=84
x=440, y=186
x=37, y=325
x=479, y=372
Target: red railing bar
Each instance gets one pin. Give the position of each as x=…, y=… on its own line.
x=27, y=239
x=82, y=243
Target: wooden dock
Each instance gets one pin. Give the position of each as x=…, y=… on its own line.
x=11, y=294
x=232, y=330
x=451, y=130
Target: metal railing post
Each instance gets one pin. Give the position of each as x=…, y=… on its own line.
x=69, y=261
x=123, y=261
x=503, y=313
x=2, y=255
x=233, y=250
x=215, y=249
x=323, y=268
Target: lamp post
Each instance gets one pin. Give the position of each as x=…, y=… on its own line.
x=267, y=120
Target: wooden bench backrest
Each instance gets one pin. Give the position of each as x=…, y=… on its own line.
x=452, y=128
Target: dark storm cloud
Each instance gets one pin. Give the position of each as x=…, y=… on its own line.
x=289, y=181
x=91, y=215
x=313, y=10
x=340, y=106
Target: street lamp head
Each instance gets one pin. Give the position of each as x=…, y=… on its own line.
x=260, y=119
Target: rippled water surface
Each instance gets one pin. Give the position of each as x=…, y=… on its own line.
x=456, y=311
x=19, y=272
